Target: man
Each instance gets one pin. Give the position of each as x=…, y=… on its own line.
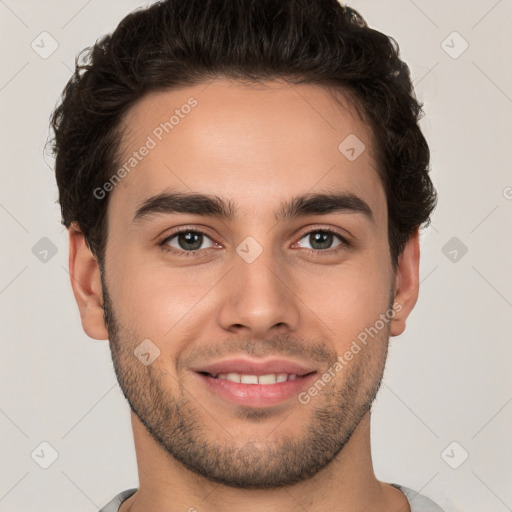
x=244, y=182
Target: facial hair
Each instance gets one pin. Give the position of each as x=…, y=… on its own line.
x=174, y=420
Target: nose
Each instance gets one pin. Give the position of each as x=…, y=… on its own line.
x=258, y=299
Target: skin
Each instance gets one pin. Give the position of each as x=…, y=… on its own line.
x=255, y=146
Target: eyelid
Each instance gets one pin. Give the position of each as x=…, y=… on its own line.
x=343, y=234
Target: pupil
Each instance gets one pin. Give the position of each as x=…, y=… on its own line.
x=324, y=239
x=190, y=238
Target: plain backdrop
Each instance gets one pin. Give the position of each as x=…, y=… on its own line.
x=447, y=388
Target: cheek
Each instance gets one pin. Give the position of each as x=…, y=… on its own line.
x=156, y=302
x=351, y=300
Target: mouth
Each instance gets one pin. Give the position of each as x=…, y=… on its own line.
x=254, y=383
x=251, y=379
x=251, y=370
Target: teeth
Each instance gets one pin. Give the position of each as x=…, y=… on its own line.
x=270, y=378
x=267, y=379
x=248, y=379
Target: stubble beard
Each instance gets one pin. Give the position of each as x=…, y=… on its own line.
x=177, y=423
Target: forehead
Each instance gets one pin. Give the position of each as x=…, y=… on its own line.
x=251, y=144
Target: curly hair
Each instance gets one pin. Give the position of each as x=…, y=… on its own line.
x=176, y=43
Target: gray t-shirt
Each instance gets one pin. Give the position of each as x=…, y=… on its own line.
x=417, y=502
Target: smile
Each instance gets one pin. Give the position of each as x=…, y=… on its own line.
x=269, y=378
x=251, y=390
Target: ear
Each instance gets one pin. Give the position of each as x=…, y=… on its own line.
x=86, y=283
x=406, y=284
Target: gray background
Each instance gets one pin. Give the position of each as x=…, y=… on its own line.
x=448, y=376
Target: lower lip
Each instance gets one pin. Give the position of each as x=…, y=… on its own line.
x=257, y=395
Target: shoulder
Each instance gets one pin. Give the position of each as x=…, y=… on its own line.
x=417, y=501
x=114, y=504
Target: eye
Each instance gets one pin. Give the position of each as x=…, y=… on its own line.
x=189, y=242
x=322, y=239
x=186, y=240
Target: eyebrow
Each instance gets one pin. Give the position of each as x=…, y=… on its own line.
x=214, y=206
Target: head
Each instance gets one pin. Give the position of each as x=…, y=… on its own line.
x=284, y=135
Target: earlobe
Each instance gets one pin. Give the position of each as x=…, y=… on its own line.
x=86, y=283
x=406, y=284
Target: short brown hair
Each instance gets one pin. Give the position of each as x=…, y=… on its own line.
x=174, y=43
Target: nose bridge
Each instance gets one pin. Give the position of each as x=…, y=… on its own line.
x=258, y=295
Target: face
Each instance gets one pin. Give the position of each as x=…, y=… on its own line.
x=277, y=293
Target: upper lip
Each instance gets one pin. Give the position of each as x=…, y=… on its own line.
x=255, y=367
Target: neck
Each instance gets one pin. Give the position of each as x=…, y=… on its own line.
x=348, y=483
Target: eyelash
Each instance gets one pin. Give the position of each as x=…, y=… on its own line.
x=194, y=254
